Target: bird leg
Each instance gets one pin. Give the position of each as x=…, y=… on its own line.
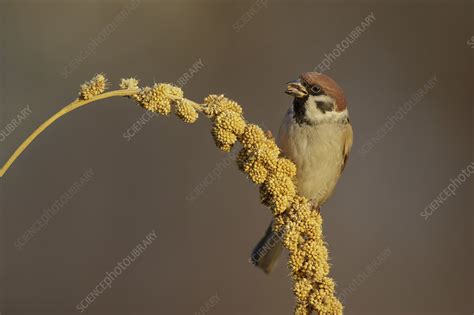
x=315, y=206
x=269, y=135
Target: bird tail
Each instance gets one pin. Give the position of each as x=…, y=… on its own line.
x=267, y=251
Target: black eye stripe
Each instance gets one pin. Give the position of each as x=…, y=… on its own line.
x=324, y=106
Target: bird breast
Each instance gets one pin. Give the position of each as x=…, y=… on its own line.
x=317, y=151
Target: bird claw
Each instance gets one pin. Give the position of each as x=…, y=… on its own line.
x=315, y=206
x=269, y=134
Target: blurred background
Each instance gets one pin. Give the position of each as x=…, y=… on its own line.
x=135, y=175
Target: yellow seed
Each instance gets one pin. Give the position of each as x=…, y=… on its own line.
x=216, y=104
x=287, y=167
x=230, y=121
x=94, y=87
x=253, y=137
x=302, y=309
x=224, y=139
x=186, y=111
x=159, y=98
x=302, y=288
x=130, y=83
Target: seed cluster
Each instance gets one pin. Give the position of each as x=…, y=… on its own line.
x=130, y=83
x=94, y=87
x=260, y=159
x=159, y=98
x=186, y=111
x=228, y=123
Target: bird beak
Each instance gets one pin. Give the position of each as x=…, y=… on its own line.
x=296, y=89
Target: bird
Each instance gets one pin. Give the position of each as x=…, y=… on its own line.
x=316, y=134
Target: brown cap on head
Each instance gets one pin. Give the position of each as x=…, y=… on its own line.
x=329, y=86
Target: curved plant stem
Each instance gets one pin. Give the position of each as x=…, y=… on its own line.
x=68, y=108
x=313, y=288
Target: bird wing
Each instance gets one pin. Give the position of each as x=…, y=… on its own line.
x=348, y=138
x=282, y=137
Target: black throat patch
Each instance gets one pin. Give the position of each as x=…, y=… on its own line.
x=300, y=110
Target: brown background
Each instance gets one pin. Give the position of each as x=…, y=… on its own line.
x=203, y=246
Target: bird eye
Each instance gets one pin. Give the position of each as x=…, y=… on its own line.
x=316, y=89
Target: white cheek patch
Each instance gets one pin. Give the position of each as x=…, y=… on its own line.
x=321, y=98
x=317, y=116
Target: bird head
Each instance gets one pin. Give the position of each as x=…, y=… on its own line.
x=317, y=99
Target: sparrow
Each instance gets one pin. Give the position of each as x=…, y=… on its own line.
x=316, y=135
